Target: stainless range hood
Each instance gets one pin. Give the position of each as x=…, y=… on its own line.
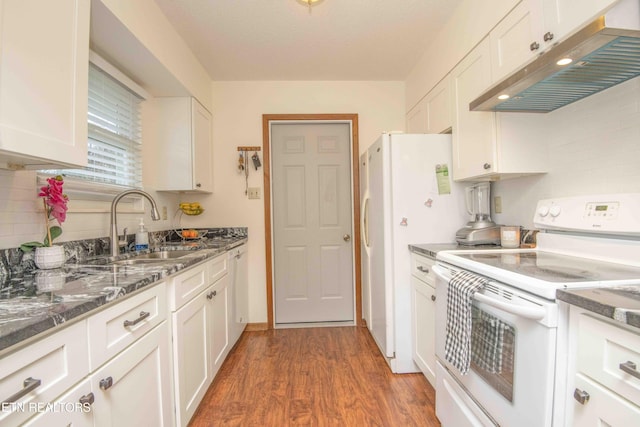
x=602, y=57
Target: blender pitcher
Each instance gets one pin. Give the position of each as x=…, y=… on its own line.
x=477, y=198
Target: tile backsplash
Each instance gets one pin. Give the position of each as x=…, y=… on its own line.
x=594, y=148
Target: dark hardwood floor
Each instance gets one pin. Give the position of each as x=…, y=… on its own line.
x=313, y=377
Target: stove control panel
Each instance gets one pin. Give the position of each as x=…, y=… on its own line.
x=615, y=214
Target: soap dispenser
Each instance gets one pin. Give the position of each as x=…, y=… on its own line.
x=142, y=237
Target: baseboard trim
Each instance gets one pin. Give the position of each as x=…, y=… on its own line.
x=256, y=327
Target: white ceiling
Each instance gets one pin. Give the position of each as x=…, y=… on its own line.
x=281, y=40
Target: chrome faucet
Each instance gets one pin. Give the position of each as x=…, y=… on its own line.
x=115, y=243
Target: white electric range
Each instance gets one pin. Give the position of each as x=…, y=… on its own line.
x=519, y=332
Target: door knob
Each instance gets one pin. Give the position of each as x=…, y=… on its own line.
x=346, y=237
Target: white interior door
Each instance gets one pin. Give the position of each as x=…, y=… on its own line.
x=312, y=221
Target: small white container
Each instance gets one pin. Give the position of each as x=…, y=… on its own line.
x=510, y=236
x=48, y=257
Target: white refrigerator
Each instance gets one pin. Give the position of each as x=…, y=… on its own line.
x=404, y=200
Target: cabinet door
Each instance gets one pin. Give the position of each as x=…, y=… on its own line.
x=417, y=118
x=42, y=371
x=439, y=107
x=202, y=158
x=424, y=308
x=219, y=324
x=517, y=39
x=241, y=288
x=191, y=350
x=44, y=60
x=604, y=407
x=563, y=17
x=183, y=138
x=133, y=389
x=474, y=132
x=73, y=409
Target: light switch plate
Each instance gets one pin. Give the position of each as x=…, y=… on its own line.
x=254, y=192
x=498, y=204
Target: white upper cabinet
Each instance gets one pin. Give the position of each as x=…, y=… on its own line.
x=433, y=113
x=488, y=145
x=564, y=17
x=44, y=60
x=184, y=145
x=474, y=133
x=516, y=39
x=535, y=26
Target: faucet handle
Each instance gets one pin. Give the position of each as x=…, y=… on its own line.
x=123, y=242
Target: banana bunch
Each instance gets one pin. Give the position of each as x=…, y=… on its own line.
x=191, y=208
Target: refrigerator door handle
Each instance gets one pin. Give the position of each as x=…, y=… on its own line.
x=364, y=221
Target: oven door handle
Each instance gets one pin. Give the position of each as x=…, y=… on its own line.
x=533, y=312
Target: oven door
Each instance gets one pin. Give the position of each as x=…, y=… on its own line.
x=513, y=347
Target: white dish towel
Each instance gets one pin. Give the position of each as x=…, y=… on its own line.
x=462, y=286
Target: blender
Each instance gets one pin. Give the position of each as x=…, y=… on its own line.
x=480, y=230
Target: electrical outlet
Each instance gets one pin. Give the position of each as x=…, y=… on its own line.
x=497, y=201
x=254, y=192
x=164, y=213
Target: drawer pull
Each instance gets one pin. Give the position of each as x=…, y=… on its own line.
x=106, y=383
x=211, y=294
x=433, y=297
x=28, y=385
x=143, y=315
x=581, y=396
x=423, y=269
x=87, y=399
x=630, y=368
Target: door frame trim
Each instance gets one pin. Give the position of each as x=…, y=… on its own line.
x=355, y=194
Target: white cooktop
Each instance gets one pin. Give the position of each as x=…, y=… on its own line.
x=587, y=241
x=540, y=272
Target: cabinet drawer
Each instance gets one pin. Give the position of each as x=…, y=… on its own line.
x=58, y=362
x=185, y=286
x=602, y=348
x=218, y=267
x=421, y=267
x=117, y=327
x=604, y=408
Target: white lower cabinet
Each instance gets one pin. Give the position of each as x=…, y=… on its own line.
x=423, y=296
x=604, y=356
x=191, y=349
x=74, y=408
x=200, y=329
x=238, y=291
x=38, y=374
x=133, y=389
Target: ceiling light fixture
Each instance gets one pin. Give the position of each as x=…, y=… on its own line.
x=565, y=61
x=310, y=3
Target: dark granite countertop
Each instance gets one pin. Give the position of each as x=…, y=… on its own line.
x=621, y=303
x=35, y=302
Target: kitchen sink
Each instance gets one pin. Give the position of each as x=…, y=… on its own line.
x=152, y=257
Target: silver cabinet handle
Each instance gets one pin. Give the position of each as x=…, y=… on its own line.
x=534, y=46
x=630, y=368
x=198, y=185
x=106, y=383
x=548, y=36
x=346, y=237
x=28, y=385
x=423, y=269
x=211, y=294
x=581, y=396
x=433, y=297
x=487, y=166
x=87, y=399
x=143, y=315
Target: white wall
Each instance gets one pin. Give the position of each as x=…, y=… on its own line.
x=594, y=148
x=237, y=120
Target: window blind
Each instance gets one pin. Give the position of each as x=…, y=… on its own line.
x=114, y=131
